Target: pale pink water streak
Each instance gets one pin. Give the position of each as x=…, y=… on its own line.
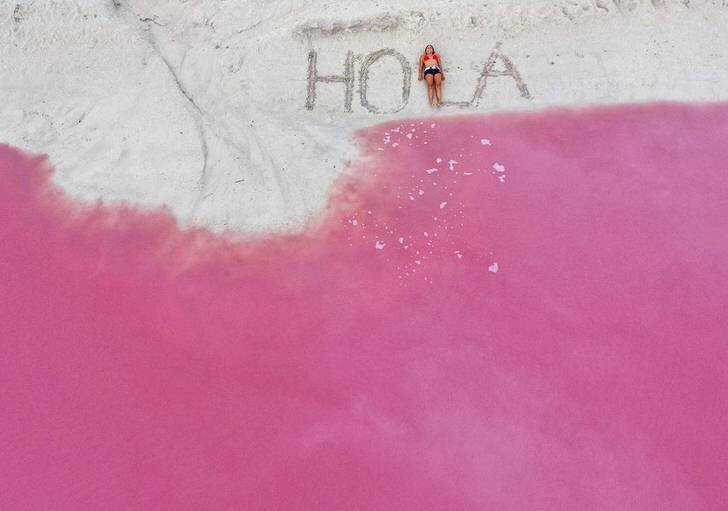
x=536, y=321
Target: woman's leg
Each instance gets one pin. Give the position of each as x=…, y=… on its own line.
x=438, y=88
x=430, y=87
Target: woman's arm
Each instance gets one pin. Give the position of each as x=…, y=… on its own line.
x=422, y=65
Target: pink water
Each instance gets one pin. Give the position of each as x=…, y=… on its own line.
x=557, y=340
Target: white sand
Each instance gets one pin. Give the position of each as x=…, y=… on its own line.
x=200, y=106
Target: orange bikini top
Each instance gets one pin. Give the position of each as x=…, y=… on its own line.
x=434, y=56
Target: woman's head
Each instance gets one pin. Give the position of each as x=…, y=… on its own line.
x=429, y=50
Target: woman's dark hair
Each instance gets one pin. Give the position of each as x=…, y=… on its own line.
x=430, y=46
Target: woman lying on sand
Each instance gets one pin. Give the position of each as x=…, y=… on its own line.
x=431, y=69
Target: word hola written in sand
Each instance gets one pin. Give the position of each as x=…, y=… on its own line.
x=348, y=79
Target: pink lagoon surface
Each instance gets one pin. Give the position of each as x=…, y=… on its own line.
x=511, y=312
